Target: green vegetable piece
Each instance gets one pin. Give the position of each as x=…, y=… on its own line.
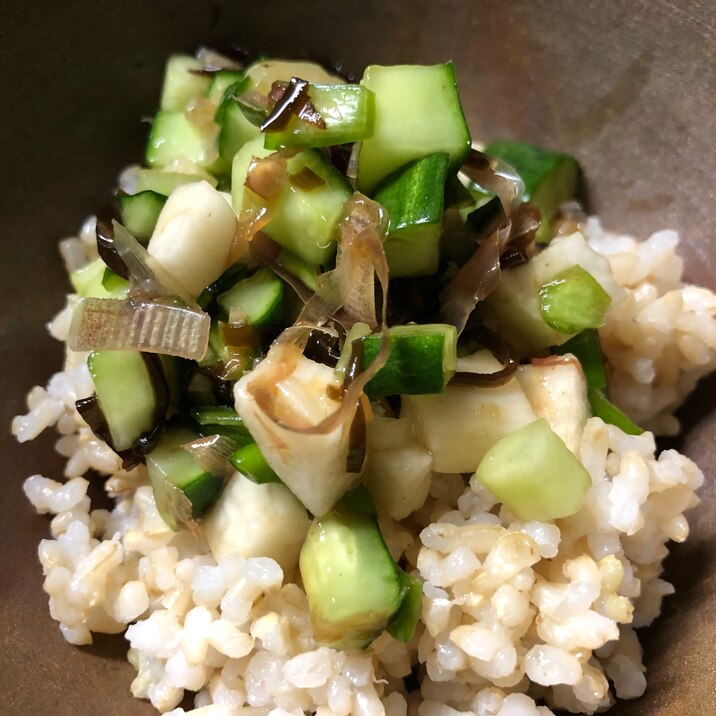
x=413, y=198
x=585, y=347
x=170, y=461
x=125, y=393
x=114, y=285
x=140, y=213
x=174, y=136
x=304, y=219
x=229, y=278
x=351, y=581
x=422, y=360
x=235, y=128
x=573, y=300
x=356, y=502
x=249, y=461
x=258, y=298
x=550, y=178
x=164, y=182
x=181, y=85
x=348, y=112
x=534, y=474
x=299, y=268
x=403, y=623
x=609, y=413
x=89, y=282
x=221, y=420
x=220, y=82
x=417, y=112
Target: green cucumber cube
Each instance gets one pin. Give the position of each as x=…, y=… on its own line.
x=417, y=112
x=413, y=198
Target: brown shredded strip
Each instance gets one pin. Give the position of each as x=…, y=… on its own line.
x=293, y=101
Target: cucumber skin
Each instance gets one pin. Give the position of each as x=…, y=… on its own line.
x=416, y=364
x=137, y=403
x=550, y=178
x=351, y=581
x=410, y=121
x=413, y=197
x=140, y=212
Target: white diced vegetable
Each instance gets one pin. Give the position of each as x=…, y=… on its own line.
x=459, y=425
x=297, y=391
x=513, y=309
x=398, y=469
x=264, y=74
x=193, y=235
x=557, y=390
x=257, y=521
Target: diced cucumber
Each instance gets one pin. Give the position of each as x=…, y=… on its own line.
x=417, y=112
x=252, y=150
x=258, y=299
x=265, y=72
x=221, y=420
x=88, y=282
x=299, y=268
x=140, y=213
x=586, y=348
x=550, y=178
x=413, y=198
x=533, y=473
x=422, y=360
x=572, y=301
x=609, y=413
x=235, y=129
x=180, y=85
x=250, y=462
x=114, y=285
x=402, y=624
x=303, y=220
x=220, y=82
x=350, y=580
x=174, y=136
x=165, y=182
x=126, y=394
x=176, y=376
x=234, y=273
x=348, y=112
x=170, y=461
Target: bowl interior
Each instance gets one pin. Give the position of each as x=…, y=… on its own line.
x=629, y=90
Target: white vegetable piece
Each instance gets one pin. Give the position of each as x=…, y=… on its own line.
x=460, y=424
x=193, y=235
x=257, y=521
x=296, y=391
x=557, y=390
x=398, y=469
x=513, y=308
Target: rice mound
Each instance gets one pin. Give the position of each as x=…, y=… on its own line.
x=513, y=613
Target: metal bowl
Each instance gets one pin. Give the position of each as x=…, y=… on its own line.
x=629, y=88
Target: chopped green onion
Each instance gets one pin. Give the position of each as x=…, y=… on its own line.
x=585, y=347
x=609, y=413
x=573, y=300
x=250, y=462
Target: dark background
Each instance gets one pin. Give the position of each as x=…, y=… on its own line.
x=629, y=87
